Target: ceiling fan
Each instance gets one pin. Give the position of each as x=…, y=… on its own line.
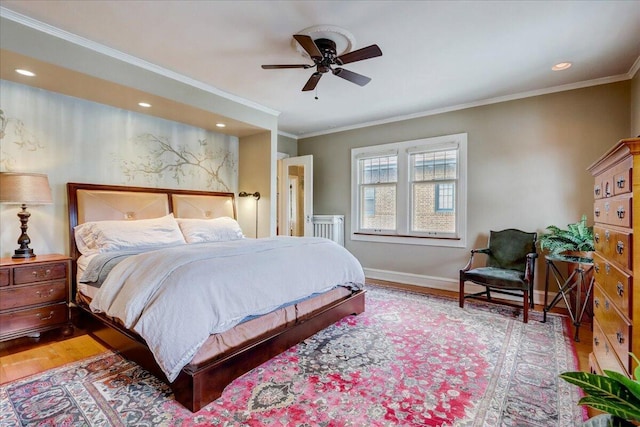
x=323, y=53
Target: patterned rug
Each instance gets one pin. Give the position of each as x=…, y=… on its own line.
x=409, y=360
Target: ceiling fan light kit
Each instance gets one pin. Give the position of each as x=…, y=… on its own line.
x=323, y=51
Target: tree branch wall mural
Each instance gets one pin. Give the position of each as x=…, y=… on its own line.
x=74, y=140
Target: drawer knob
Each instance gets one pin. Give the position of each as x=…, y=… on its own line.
x=596, y=302
x=596, y=267
x=607, y=190
x=596, y=237
x=596, y=212
x=45, y=294
x=620, y=212
x=596, y=190
x=607, y=235
x=50, y=316
x=41, y=273
x=620, y=247
x=619, y=337
x=607, y=268
x=620, y=182
x=606, y=304
x=620, y=289
x=596, y=341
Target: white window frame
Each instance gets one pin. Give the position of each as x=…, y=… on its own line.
x=403, y=200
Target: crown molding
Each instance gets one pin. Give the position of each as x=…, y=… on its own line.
x=129, y=59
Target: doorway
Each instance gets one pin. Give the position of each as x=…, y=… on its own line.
x=295, y=196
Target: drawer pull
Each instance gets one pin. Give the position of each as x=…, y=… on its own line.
x=606, y=304
x=607, y=190
x=620, y=182
x=607, y=235
x=596, y=190
x=38, y=273
x=620, y=247
x=619, y=337
x=596, y=237
x=620, y=212
x=596, y=302
x=50, y=316
x=596, y=341
x=607, y=207
x=46, y=294
x=620, y=289
x=607, y=269
x=597, y=212
x=596, y=267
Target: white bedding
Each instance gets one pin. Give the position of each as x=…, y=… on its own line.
x=176, y=297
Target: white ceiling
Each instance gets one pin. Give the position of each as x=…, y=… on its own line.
x=437, y=55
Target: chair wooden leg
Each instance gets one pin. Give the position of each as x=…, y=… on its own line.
x=488, y=293
x=525, y=312
x=461, y=292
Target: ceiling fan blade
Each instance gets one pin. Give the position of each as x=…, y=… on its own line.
x=307, y=44
x=312, y=82
x=275, y=67
x=356, y=78
x=359, y=55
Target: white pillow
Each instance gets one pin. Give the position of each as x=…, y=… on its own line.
x=210, y=230
x=107, y=236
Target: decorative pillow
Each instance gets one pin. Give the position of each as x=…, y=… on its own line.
x=107, y=236
x=210, y=230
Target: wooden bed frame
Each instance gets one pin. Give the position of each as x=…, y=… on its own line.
x=194, y=387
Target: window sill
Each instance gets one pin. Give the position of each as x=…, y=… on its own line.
x=410, y=240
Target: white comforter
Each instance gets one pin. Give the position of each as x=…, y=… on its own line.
x=176, y=297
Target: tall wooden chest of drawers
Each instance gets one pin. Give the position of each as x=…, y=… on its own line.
x=616, y=295
x=34, y=295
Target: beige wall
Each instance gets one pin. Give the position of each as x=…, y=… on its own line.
x=635, y=105
x=256, y=172
x=527, y=169
x=287, y=145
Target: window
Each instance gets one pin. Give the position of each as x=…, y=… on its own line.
x=410, y=192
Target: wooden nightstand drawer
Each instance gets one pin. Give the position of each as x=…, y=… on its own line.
x=23, y=296
x=5, y=275
x=39, y=273
x=34, y=319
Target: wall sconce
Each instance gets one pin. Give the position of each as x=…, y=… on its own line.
x=24, y=189
x=256, y=196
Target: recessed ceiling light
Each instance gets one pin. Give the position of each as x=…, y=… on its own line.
x=221, y=125
x=25, y=72
x=561, y=66
x=144, y=104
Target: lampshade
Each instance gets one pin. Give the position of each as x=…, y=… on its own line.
x=24, y=188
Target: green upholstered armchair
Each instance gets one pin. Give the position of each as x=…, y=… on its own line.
x=509, y=269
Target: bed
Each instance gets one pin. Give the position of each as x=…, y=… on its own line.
x=198, y=373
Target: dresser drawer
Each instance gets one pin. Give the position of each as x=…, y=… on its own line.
x=616, y=328
x=614, y=210
x=33, y=318
x=5, y=274
x=614, y=245
x=605, y=356
x=39, y=273
x=23, y=296
x=622, y=177
x=616, y=284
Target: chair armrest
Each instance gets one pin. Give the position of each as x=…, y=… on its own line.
x=473, y=252
x=530, y=264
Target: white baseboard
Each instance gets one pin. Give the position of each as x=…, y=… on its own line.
x=443, y=283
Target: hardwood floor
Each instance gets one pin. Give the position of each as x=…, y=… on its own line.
x=27, y=356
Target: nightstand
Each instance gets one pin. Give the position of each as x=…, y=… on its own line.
x=34, y=295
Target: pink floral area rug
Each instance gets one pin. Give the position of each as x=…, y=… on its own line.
x=409, y=360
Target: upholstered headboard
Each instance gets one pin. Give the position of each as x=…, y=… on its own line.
x=95, y=202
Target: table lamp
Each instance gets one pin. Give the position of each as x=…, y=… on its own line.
x=24, y=189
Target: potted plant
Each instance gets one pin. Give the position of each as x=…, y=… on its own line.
x=577, y=237
x=612, y=393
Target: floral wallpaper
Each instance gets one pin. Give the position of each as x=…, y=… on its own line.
x=74, y=140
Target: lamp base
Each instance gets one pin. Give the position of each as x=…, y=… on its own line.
x=23, y=253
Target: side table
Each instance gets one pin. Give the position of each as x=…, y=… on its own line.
x=579, y=281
